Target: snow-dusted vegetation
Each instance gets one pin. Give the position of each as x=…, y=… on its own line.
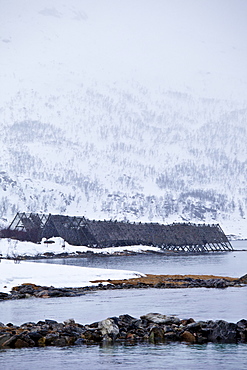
x=89, y=127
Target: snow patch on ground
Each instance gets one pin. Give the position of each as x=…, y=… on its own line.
x=10, y=248
x=59, y=276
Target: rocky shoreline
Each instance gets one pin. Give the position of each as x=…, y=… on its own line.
x=79, y=254
x=152, y=327
x=179, y=281
x=149, y=281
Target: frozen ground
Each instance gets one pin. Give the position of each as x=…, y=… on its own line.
x=10, y=248
x=59, y=276
x=16, y=272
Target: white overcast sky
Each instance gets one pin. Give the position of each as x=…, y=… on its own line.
x=194, y=45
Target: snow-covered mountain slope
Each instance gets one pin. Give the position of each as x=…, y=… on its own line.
x=124, y=110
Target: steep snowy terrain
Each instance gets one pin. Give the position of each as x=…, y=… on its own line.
x=124, y=110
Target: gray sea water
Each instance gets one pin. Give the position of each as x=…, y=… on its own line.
x=223, y=263
x=200, y=303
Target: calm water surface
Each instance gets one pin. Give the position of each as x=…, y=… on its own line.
x=137, y=357
x=225, y=263
x=200, y=303
x=229, y=304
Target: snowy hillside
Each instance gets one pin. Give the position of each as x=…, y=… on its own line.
x=122, y=110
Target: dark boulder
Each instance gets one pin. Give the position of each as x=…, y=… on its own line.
x=187, y=336
x=4, y=295
x=243, y=279
x=242, y=330
x=222, y=331
x=156, y=334
x=4, y=338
